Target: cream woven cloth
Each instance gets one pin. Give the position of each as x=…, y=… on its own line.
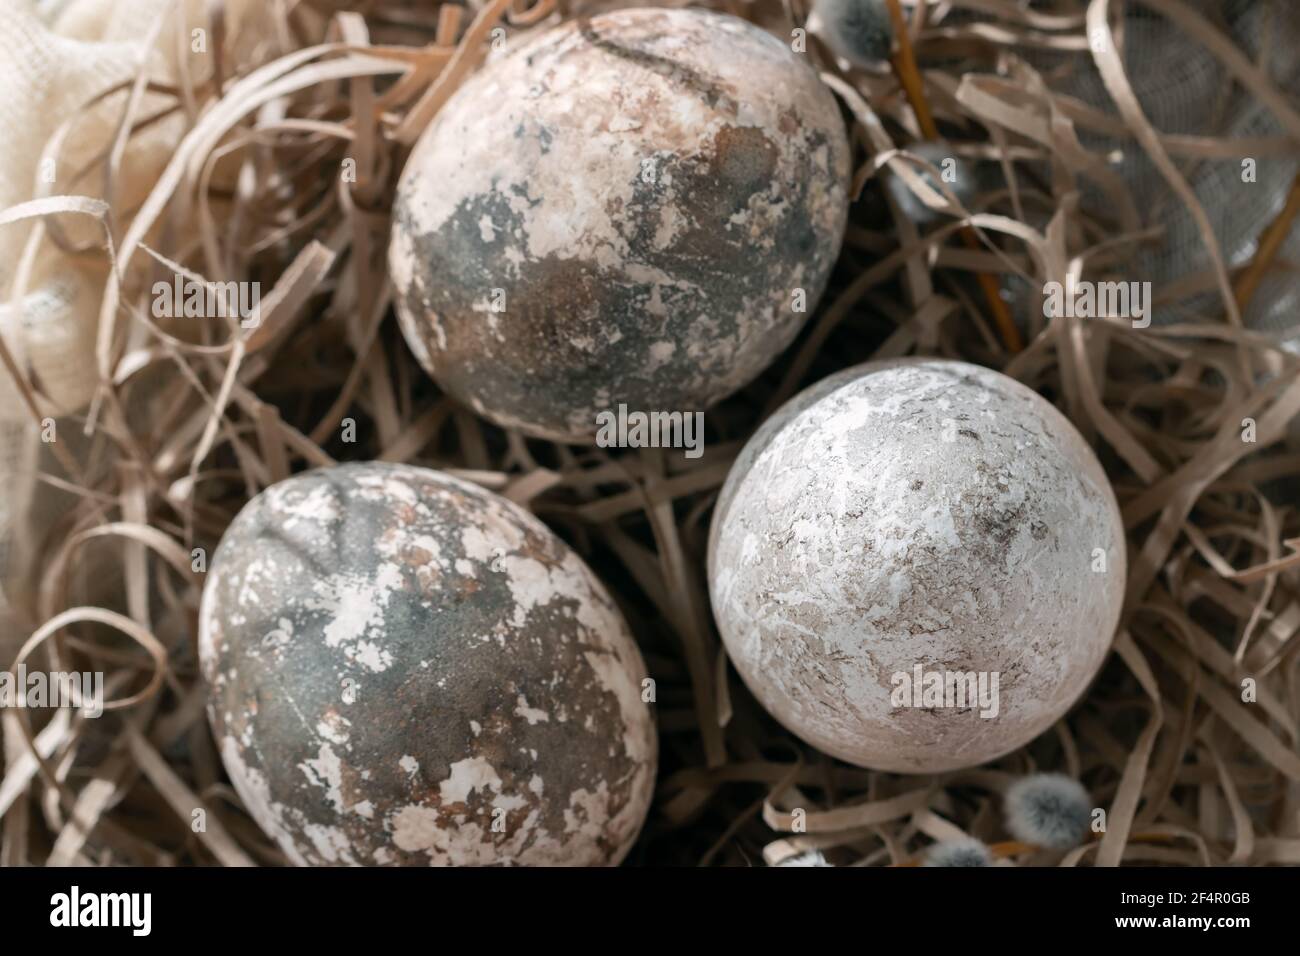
x=56, y=57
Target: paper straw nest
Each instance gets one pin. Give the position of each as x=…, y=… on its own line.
x=191, y=419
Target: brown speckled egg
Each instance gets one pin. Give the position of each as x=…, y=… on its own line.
x=911, y=526
x=639, y=207
x=406, y=669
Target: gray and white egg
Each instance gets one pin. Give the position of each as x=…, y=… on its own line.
x=406, y=669
x=917, y=513
x=638, y=207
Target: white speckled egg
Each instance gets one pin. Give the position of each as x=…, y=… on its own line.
x=915, y=519
x=405, y=669
x=637, y=207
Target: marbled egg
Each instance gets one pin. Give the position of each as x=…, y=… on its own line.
x=406, y=669
x=639, y=207
x=915, y=526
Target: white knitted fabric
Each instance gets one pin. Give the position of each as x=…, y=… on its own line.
x=55, y=56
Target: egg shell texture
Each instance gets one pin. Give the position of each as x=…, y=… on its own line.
x=916, y=512
x=406, y=669
x=639, y=193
